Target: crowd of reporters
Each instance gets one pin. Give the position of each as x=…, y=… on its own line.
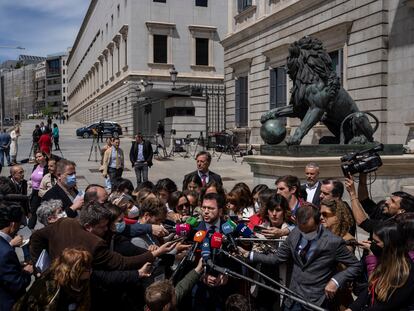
x=157, y=248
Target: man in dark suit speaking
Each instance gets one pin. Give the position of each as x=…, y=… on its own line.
x=140, y=156
x=315, y=253
x=203, y=163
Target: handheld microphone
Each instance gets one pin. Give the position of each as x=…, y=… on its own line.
x=205, y=250
x=228, y=231
x=182, y=230
x=198, y=238
x=244, y=230
x=216, y=242
x=232, y=223
x=193, y=222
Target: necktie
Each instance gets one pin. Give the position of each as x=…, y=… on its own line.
x=304, y=252
x=212, y=230
x=203, y=179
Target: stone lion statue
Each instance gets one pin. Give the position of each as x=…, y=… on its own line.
x=317, y=96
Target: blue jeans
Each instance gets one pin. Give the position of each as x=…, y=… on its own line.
x=141, y=172
x=4, y=152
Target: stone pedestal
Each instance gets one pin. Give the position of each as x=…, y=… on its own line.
x=396, y=173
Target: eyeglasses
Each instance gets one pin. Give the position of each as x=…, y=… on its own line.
x=327, y=214
x=210, y=208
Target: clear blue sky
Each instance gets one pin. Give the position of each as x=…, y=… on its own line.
x=40, y=26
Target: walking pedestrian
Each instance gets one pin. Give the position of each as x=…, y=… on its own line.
x=63, y=119
x=49, y=122
x=14, y=136
x=55, y=135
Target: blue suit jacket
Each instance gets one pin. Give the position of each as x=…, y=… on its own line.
x=13, y=281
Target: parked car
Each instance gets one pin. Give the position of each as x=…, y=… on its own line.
x=111, y=129
x=8, y=121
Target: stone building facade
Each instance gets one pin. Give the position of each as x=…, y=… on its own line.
x=125, y=47
x=371, y=43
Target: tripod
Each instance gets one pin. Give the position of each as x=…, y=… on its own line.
x=94, y=147
x=199, y=140
x=228, y=147
x=160, y=145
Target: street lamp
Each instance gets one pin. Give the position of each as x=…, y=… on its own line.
x=173, y=76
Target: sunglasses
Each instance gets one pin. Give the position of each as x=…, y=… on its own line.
x=327, y=214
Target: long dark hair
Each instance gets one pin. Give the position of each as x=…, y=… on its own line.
x=394, y=266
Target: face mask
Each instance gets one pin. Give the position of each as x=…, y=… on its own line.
x=133, y=212
x=71, y=180
x=61, y=215
x=310, y=235
x=120, y=226
x=376, y=250
x=256, y=206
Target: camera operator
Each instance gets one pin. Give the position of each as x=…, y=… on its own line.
x=399, y=202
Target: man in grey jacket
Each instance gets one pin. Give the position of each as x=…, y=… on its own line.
x=315, y=253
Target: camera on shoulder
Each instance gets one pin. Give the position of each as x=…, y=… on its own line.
x=365, y=161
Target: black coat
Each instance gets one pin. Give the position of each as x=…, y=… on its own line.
x=316, y=198
x=147, y=152
x=22, y=189
x=212, y=176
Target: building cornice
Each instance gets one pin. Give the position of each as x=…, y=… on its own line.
x=290, y=9
x=152, y=24
x=202, y=28
x=82, y=28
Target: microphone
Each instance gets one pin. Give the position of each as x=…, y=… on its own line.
x=244, y=230
x=198, y=238
x=205, y=250
x=182, y=230
x=228, y=231
x=216, y=242
x=193, y=222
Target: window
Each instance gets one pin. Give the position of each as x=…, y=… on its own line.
x=63, y=80
x=118, y=10
x=277, y=87
x=201, y=3
x=160, y=49
x=243, y=4
x=241, y=101
x=112, y=20
x=202, y=51
x=64, y=71
x=162, y=1
x=64, y=98
x=64, y=90
x=64, y=62
x=337, y=63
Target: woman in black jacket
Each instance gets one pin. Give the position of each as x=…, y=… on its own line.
x=391, y=284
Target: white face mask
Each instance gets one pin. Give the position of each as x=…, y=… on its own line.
x=133, y=212
x=256, y=206
x=310, y=235
x=61, y=215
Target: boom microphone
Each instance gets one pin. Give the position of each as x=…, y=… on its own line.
x=13, y=197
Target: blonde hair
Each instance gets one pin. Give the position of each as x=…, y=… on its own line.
x=68, y=267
